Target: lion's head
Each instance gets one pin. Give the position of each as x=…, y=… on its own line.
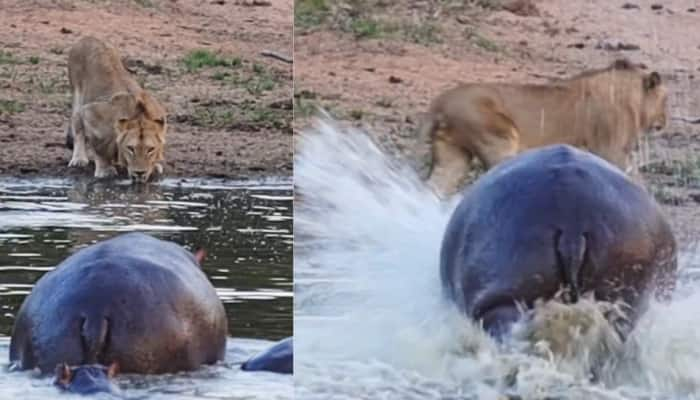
x=654, y=103
x=140, y=135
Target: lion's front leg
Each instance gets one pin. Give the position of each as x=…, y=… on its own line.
x=80, y=157
x=103, y=168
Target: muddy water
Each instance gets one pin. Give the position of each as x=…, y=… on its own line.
x=245, y=227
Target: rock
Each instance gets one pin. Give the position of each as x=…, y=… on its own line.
x=576, y=45
x=656, y=6
x=691, y=10
x=395, y=79
x=630, y=6
x=66, y=31
x=523, y=8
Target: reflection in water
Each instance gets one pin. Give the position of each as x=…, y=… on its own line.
x=245, y=228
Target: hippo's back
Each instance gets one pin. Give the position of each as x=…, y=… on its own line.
x=133, y=299
x=501, y=243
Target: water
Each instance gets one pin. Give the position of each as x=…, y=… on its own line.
x=246, y=229
x=370, y=321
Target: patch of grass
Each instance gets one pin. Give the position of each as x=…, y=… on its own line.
x=48, y=85
x=145, y=3
x=683, y=173
x=424, y=34
x=202, y=58
x=10, y=107
x=7, y=58
x=366, y=28
x=481, y=41
x=247, y=116
x=258, y=81
x=212, y=117
x=34, y=60
x=310, y=13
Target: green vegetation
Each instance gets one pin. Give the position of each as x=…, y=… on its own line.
x=481, y=41
x=257, y=81
x=34, y=60
x=202, y=58
x=364, y=19
x=7, y=58
x=310, y=13
x=10, y=107
x=212, y=117
x=249, y=115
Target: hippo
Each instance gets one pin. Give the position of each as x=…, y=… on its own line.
x=133, y=303
x=278, y=358
x=554, y=218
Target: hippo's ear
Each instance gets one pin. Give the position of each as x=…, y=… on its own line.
x=113, y=370
x=63, y=375
x=199, y=255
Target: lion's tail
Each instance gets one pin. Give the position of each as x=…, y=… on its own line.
x=571, y=250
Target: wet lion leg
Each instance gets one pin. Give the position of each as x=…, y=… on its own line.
x=80, y=158
x=103, y=168
x=450, y=165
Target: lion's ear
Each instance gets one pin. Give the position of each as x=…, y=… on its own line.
x=122, y=125
x=652, y=80
x=124, y=104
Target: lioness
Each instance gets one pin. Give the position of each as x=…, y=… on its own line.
x=114, y=121
x=603, y=111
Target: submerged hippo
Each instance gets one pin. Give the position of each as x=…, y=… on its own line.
x=133, y=300
x=278, y=358
x=550, y=218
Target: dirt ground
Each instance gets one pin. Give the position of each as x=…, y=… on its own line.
x=377, y=64
x=229, y=107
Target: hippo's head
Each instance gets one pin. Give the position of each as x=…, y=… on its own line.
x=86, y=379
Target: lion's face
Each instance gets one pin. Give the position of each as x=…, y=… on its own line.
x=141, y=146
x=654, y=104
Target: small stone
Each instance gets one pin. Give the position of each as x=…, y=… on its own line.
x=66, y=31
x=691, y=10
x=630, y=6
x=395, y=79
x=656, y=6
x=576, y=45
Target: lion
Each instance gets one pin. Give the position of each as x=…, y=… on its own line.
x=603, y=111
x=114, y=121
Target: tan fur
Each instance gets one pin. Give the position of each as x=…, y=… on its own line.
x=114, y=121
x=603, y=111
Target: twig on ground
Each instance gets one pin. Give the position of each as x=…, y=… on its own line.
x=277, y=56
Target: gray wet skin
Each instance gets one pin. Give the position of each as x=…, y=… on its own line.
x=135, y=300
x=550, y=218
x=278, y=358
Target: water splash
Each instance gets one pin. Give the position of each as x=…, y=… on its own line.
x=370, y=320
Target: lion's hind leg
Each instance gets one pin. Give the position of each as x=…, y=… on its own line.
x=450, y=167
